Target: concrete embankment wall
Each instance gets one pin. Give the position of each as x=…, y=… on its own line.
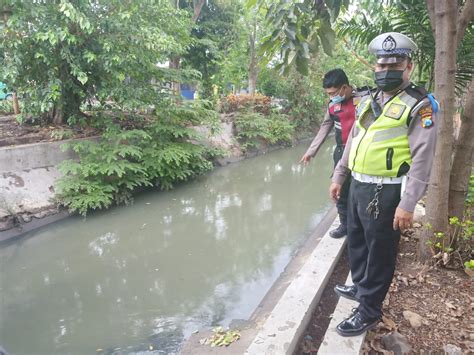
x=28, y=174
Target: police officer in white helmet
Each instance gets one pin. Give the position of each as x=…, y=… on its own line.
x=389, y=154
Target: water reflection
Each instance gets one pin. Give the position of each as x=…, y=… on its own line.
x=152, y=273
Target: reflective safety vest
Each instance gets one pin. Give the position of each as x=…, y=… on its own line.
x=382, y=149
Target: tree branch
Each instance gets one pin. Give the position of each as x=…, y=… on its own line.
x=197, y=5
x=360, y=59
x=465, y=16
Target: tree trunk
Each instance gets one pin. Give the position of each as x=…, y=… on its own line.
x=174, y=64
x=253, y=68
x=16, y=105
x=197, y=7
x=174, y=61
x=445, y=17
x=463, y=155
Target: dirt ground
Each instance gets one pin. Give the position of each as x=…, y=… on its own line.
x=13, y=133
x=441, y=302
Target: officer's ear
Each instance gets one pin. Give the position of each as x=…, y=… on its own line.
x=410, y=67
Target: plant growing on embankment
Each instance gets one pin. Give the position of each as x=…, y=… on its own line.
x=162, y=151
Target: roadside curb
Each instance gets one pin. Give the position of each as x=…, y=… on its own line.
x=287, y=322
x=333, y=343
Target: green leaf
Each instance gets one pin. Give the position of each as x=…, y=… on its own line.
x=302, y=65
x=291, y=56
x=250, y=4
x=82, y=77
x=328, y=38
x=290, y=33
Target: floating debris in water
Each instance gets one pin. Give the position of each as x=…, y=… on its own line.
x=221, y=337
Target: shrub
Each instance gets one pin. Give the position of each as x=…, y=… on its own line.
x=458, y=243
x=254, y=128
x=163, y=152
x=245, y=102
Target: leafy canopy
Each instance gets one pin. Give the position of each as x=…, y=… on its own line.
x=299, y=29
x=59, y=54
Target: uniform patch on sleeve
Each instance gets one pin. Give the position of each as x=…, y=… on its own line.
x=395, y=111
x=426, y=114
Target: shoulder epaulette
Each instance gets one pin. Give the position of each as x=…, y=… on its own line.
x=418, y=92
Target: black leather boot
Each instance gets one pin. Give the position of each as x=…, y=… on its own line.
x=339, y=232
x=349, y=292
x=356, y=324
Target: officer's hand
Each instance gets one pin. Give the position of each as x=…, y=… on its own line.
x=402, y=220
x=335, y=191
x=305, y=159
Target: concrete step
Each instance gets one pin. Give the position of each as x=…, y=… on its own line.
x=283, y=328
x=333, y=343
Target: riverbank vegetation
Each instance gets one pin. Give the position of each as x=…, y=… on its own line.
x=123, y=71
x=142, y=77
x=85, y=64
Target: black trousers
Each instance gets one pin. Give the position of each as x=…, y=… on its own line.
x=341, y=204
x=372, y=244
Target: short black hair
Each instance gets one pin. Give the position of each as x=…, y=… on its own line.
x=335, y=79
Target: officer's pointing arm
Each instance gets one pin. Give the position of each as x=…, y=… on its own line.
x=323, y=132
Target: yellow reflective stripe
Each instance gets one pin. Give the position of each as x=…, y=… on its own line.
x=390, y=133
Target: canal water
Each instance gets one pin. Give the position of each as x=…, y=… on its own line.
x=148, y=275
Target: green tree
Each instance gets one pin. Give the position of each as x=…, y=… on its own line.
x=299, y=28
x=61, y=54
x=446, y=27
x=215, y=33
x=445, y=62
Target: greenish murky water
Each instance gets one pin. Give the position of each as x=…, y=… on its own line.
x=151, y=273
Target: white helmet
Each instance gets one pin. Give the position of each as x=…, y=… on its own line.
x=392, y=47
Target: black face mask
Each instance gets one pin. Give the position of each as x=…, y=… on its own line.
x=389, y=80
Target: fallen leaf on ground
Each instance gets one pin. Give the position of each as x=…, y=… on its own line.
x=389, y=324
x=379, y=349
x=450, y=305
x=414, y=318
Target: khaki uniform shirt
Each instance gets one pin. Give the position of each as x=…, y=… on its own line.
x=422, y=142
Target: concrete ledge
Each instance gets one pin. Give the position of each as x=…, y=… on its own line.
x=333, y=343
x=288, y=320
x=36, y=155
x=21, y=230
